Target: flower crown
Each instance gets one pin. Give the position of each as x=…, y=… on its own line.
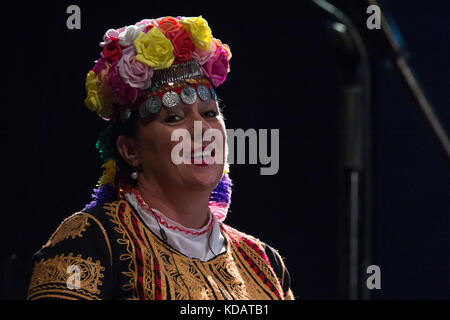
x=139, y=60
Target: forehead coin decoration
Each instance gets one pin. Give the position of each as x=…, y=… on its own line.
x=188, y=95
x=203, y=92
x=151, y=106
x=170, y=99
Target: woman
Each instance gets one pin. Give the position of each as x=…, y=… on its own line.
x=155, y=228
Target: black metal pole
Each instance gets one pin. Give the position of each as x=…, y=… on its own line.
x=354, y=166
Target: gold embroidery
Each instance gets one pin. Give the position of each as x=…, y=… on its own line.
x=112, y=210
x=54, y=271
x=63, y=290
x=226, y=273
x=104, y=235
x=71, y=227
x=227, y=276
x=149, y=274
x=255, y=287
x=185, y=279
x=259, y=261
x=55, y=296
x=290, y=295
x=232, y=277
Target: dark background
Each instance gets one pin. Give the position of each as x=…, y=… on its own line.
x=283, y=76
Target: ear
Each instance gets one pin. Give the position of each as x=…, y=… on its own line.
x=128, y=151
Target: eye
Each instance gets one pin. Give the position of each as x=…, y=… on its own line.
x=211, y=114
x=172, y=118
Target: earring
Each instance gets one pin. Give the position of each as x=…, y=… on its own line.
x=134, y=175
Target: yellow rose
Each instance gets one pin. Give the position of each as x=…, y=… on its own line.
x=91, y=81
x=94, y=101
x=154, y=49
x=200, y=32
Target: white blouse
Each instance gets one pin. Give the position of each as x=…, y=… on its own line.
x=190, y=242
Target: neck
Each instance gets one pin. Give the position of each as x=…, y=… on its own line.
x=186, y=207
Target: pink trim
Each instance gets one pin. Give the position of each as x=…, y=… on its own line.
x=161, y=220
x=219, y=209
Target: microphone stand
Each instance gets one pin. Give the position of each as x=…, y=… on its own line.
x=421, y=101
x=354, y=165
x=355, y=142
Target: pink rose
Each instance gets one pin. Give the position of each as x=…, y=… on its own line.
x=216, y=68
x=201, y=56
x=123, y=92
x=136, y=74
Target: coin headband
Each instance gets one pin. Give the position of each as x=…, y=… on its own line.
x=149, y=54
x=170, y=96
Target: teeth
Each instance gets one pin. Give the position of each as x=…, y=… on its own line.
x=200, y=154
x=207, y=154
x=197, y=155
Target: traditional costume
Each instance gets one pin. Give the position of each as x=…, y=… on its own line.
x=118, y=246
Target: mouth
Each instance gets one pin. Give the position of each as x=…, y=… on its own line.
x=202, y=158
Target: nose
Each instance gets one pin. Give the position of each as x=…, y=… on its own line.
x=198, y=125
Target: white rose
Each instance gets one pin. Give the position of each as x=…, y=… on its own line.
x=129, y=35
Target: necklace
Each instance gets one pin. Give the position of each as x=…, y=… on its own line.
x=162, y=221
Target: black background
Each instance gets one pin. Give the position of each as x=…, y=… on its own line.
x=283, y=76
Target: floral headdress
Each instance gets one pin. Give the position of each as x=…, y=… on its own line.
x=144, y=66
x=137, y=60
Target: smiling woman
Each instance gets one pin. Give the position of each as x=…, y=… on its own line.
x=155, y=229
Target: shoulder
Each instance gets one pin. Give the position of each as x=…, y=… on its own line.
x=92, y=223
x=270, y=254
x=87, y=240
x=252, y=241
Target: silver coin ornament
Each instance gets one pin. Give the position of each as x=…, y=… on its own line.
x=170, y=99
x=151, y=106
x=213, y=93
x=188, y=95
x=203, y=93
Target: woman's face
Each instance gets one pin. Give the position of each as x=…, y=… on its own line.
x=154, y=146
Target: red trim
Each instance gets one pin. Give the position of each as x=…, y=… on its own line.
x=250, y=262
x=139, y=260
x=147, y=208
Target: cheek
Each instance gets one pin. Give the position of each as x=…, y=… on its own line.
x=221, y=127
x=155, y=143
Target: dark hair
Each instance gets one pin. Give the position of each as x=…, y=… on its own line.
x=106, y=146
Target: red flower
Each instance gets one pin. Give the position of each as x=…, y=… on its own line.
x=112, y=51
x=148, y=28
x=183, y=47
x=168, y=24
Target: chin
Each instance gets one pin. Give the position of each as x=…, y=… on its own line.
x=202, y=177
